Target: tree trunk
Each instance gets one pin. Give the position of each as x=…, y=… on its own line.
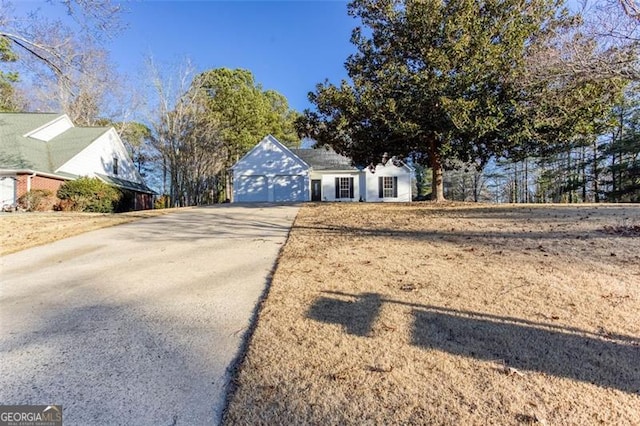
x=525, y=186
x=596, y=174
x=437, y=183
x=583, y=155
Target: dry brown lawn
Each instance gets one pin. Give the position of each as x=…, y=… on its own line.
x=454, y=314
x=19, y=231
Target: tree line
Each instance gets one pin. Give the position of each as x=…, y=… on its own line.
x=184, y=129
x=528, y=97
x=500, y=100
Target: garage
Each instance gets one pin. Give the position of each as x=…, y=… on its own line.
x=288, y=189
x=270, y=172
x=7, y=190
x=251, y=189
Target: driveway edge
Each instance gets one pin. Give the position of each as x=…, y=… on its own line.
x=238, y=361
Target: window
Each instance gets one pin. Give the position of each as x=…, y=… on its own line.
x=115, y=166
x=388, y=187
x=344, y=187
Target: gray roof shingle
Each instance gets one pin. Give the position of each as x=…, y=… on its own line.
x=324, y=159
x=20, y=152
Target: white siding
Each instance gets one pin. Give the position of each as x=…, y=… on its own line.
x=51, y=129
x=99, y=158
x=404, y=183
x=328, y=179
x=284, y=177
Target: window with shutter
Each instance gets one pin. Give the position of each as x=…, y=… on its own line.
x=344, y=187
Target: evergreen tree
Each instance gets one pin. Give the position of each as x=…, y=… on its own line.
x=431, y=79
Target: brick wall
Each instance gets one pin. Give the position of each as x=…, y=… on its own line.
x=143, y=201
x=37, y=182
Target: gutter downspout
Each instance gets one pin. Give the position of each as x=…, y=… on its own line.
x=29, y=181
x=29, y=189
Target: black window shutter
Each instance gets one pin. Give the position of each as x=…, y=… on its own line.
x=337, y=188
x=395, y=187
x=350, y=187
x=380, y=187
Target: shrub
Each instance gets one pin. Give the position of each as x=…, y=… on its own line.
x=37, y=200
x=88, y=195
x=161, y=202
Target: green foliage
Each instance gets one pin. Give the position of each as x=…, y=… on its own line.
x=432, y=79
x=136, y=137
x=6, y=53
x=89, y=195
x=7, y=79
x=243, y=111
x=162, y=202
x=37, y=200
x=623, y=150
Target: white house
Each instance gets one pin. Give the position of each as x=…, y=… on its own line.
x=42, y=151
x=271, y=172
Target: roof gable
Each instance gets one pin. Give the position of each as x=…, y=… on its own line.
x=67, y=145
x=270, y=156
x=20, y=149
x=393, y=163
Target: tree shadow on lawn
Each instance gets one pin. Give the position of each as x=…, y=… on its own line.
x=610, y=360
x=511, y=216
x=357, y=317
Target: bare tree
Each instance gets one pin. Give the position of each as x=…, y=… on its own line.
x=630, y=8
x=53, y=43
x=68, y=69
x=186, y=137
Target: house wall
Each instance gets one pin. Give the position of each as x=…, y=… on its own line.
x=143, y=201
x=267, y=171
x=52, y=129
x=328, y=179
x=404, y=183
x=98, y=158
x=37, y=182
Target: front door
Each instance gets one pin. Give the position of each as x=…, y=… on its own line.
x=316, y=190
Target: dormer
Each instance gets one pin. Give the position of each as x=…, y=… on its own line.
x=52, y=129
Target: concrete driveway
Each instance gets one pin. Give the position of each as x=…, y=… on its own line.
x=137, y=324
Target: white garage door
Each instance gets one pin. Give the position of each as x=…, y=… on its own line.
x=288, y=188
x=251, y=189
x=7, y=190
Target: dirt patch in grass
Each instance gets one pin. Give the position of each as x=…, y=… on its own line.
x=19, y=231
x=454, y=314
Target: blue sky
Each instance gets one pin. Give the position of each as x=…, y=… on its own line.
x=290, y=46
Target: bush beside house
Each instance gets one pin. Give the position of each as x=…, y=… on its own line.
x=38, y=200
x=89, y=195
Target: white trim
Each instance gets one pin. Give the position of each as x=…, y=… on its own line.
x=44, y=126
x=124, y=154
x=9, y=172
x=276, y=142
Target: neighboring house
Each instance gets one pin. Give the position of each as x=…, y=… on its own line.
x=42, y=151
x=271, y=172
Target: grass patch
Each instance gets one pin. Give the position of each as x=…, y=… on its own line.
x=19, y=231
x=454, y=314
